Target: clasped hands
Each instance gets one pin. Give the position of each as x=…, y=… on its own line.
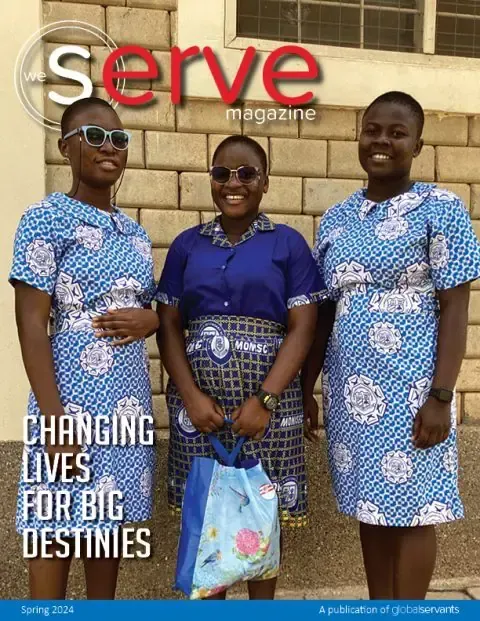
x=126, y=325
x=250, y=419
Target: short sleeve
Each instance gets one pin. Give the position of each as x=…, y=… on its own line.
x=454, y=250
x=37, y=250
x=318, y=252
x=326, y=233
x=170, y=287
x=304, y=284
x=143, y=244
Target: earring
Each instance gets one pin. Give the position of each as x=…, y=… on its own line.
x=66, y=160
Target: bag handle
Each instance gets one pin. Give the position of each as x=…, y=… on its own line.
x=225, y=456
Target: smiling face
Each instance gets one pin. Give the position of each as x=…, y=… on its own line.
x=389, y=141
x=234, y=199
x=95, y=167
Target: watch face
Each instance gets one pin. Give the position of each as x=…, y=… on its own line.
x=442, y=395
x=271, y=402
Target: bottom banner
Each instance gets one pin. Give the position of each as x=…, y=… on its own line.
x=240, y=609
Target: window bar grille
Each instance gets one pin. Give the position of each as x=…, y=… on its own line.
x=425, y=11
x=458, y=15
x=457, y=38
x=364, y=4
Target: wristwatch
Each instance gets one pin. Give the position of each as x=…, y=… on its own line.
x=441, y=394
x=269, y=400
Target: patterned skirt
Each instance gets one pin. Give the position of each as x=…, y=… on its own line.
x=230, y=357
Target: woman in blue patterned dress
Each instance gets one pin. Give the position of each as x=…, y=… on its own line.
x=397, y=258
x=244, y=289
x=87, y=267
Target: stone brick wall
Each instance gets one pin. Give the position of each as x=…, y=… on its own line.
x=313, y=163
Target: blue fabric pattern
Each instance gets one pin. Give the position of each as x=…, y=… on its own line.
x=383, y=264
x=90, y=261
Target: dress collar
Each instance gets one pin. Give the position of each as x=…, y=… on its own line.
x=214, y=230
x=91, y=215
x=396, y=206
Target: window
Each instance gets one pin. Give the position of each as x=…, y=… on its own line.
x=445, y=27
x=458, y=28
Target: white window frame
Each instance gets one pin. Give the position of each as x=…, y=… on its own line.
x=428, y=43
x=352, y=77
x=427, y=57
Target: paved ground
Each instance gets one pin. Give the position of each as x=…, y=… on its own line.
x=454, y=589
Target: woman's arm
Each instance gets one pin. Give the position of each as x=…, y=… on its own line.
x=452, y=335
x=432, y=423
x=32, y=311
x=313, y=366
x=205, y=414
x=294, y=349
x=252, y=418
x=316, y=356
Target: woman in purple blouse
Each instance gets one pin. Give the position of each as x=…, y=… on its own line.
x=245, y=290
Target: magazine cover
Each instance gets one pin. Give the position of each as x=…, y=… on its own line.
x=240, y=308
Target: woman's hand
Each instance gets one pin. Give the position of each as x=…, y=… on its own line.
x=251, y=419
x=432, y=424
x=206, y=415
x=130, y=323
x=310, y=414
x=72, y=450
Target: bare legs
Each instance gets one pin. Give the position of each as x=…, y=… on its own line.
x=416, y=555
x=258, y=589
x=262, y=589
x=221, y=595
x=101, y=577
x=378, y=560
x=48, y=578
x=399, y=562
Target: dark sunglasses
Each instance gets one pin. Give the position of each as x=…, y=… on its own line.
x=96, y=136
x=244, y=174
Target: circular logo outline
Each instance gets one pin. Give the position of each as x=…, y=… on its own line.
x=219, y=355
x=187, y=430
x=267, y=491
x=290, y=491
x=210, y=329
x=38, y=36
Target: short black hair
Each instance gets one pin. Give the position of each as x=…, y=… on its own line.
x=249, y=142
x=79, y=106
x=403, y=99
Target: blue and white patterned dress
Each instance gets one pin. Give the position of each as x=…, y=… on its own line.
x=383, y=264
x=89, y=261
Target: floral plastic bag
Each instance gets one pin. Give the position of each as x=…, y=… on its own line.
x=230, y=526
